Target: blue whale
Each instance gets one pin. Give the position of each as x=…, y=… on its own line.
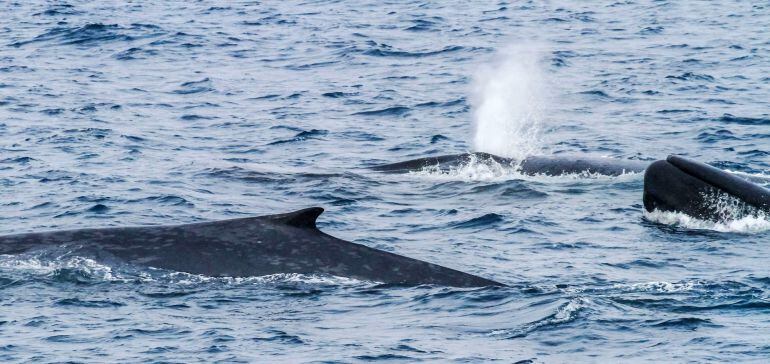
x=678, y=184
x=675, y=184
x=252, y=246
x=545, y=165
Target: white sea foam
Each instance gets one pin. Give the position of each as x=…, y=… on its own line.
x=747, y=224
x=46, y=267
x=477, y=169
x=182, y=278
x=734, y=215
x=660, y=286
x=569, y=311
x=37, y=265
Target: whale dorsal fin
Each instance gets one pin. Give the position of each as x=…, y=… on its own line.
x=304, y=218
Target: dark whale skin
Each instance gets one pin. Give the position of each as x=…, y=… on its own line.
x=253, y=246
x=546, y=165
x=678, y=184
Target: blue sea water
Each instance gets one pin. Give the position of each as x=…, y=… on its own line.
x=144, y=113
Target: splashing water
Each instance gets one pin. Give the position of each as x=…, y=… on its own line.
x=507, y=104
x=89, y=269
x=477, y=169
x=734, y=215
x=746, y=224
x=44, y=266
x=182, y=278
x=489, y=170
x=660, y=286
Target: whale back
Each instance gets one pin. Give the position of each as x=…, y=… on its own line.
x=532, y=165
x=253, y=246
x=561, y=165
x=442, y=162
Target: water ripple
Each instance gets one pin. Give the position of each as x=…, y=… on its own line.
x=153, y=113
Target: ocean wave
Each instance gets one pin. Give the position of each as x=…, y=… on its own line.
x=93, y=34
x=390, y=111
x=685, y=323
x=302, y=136
x=481, y=221
x=389, y=52
x=564, y=313
x=194, y=87
x=743, y=120
x=59, y=9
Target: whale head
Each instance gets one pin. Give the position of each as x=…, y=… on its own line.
x=678, y=184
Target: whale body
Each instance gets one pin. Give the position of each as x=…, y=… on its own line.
x=252, y=246
x=545, y=165
x=678, y=184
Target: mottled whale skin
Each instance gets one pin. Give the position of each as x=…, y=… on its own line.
x=678, y=184
x=253, y=246
x=545, y=165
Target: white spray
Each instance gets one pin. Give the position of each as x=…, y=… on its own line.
x=508, y=97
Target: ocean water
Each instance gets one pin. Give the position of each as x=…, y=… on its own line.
x=139, y=113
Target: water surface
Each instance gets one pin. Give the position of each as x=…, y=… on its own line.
x=117, y=114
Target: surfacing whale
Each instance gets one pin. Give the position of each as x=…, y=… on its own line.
x=675, y=184
x=678, y=184
x=546, y=165
x=252, y=246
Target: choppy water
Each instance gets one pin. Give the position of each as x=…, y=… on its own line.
x=138, y=113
